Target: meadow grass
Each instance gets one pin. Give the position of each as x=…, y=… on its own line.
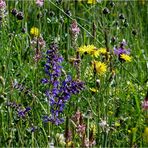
x=111, y=109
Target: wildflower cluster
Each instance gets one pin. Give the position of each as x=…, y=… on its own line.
x=123, y=53
x=22, y=112
x=52, y=66
x=92, y=50
x=60, y=92
x=97, y=67
x=59, y=97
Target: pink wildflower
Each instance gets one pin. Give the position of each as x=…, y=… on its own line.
x=74, y=28
x=145, y=103
x=40, y=3
x=41, y=42
x=2, y=4
x=81, y=130
x=38, y=55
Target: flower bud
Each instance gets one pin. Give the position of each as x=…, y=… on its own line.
x=134, y=32
x=106, y=11
x=121, y=16
x=68, y=12
x=20, y=15
x=14, y=12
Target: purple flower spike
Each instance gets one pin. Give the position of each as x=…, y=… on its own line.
x=60, y=92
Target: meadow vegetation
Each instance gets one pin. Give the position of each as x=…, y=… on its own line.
x=73, y=73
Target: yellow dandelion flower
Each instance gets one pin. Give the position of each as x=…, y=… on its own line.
x=91, y=1
x=86, y=49
x=95, y=53
x=90, y=49
x=34, y=31
x=82, y=49
x=102, y=50
x=99, y=67
x=126, y=57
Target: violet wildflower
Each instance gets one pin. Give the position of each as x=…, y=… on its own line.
x=59, y=97
x=122, y=53
x=60, y=92
x=121, y=50
x=22, y=112
x=52, y=66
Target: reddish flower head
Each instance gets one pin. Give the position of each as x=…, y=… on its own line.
x=2, y=4
x=145, y=102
